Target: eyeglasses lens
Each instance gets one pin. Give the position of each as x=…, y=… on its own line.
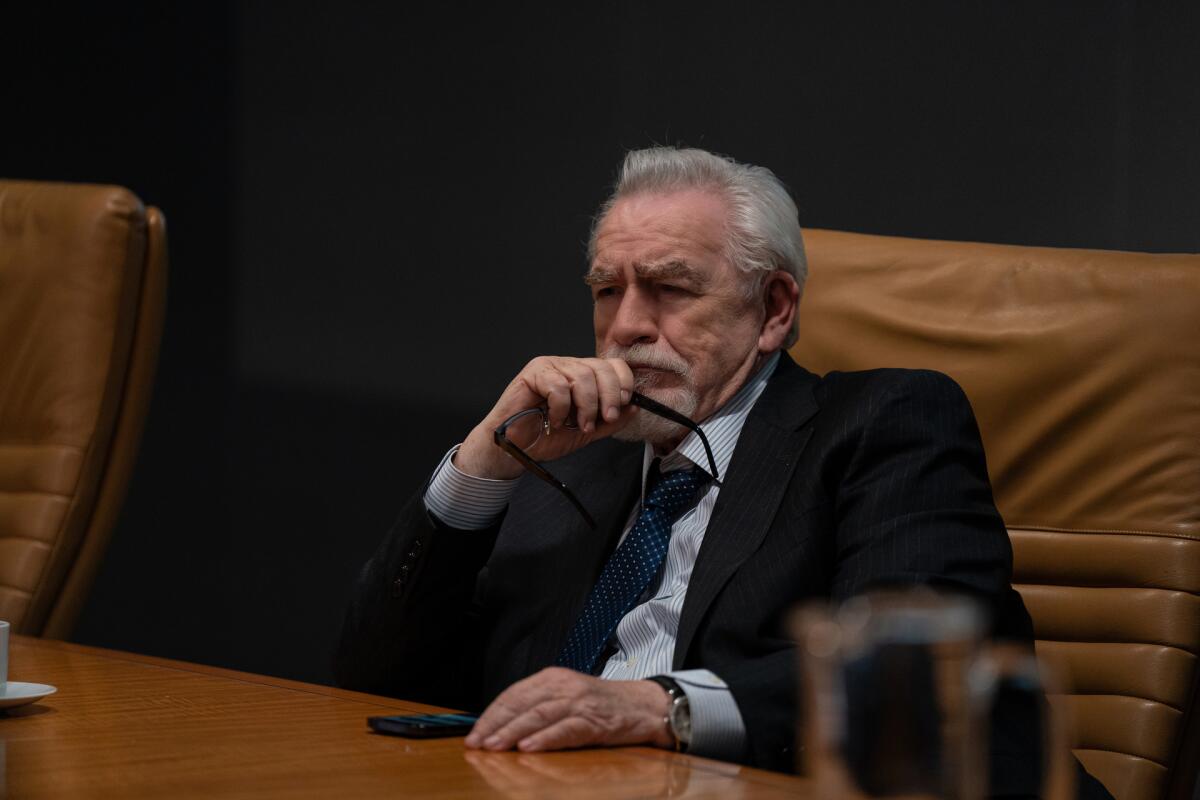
x=528, y=431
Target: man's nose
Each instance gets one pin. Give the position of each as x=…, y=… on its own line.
x=636, y=320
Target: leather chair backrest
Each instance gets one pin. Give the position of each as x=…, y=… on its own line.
x=82, y=295
x=1083, y=368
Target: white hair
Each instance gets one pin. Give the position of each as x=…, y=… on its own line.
x=764, y=225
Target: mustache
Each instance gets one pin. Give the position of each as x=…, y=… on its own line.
x=646, y=356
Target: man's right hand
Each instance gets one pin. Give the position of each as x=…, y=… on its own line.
x=592, y=392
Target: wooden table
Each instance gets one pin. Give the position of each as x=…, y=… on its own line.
x=131, y=726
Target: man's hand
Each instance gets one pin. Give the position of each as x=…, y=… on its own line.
x=559, y=708
x=592, y=392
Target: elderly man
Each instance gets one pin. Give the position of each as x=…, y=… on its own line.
x=659, y=621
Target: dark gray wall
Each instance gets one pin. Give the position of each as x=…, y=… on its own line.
x=377, y=213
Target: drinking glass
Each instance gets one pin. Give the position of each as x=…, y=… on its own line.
x=898, y=688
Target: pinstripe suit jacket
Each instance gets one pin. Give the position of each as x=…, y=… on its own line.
x=838, y=484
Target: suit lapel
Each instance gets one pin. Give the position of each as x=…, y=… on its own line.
x=761, y=468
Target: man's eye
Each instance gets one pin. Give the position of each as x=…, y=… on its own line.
x=606, y=291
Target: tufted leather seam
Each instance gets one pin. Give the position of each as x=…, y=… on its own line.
x=40, y=443
x=1019, y=583
x=1120, y=694
x=1191, y=537
x=1117, y=641
x=26, y=538
x=1120, y=753
x=36, y=491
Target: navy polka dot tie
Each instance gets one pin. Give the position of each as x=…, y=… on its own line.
x=630, y=569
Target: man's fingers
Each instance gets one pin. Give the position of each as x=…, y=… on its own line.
x=593, y=391
x=553, y=385
x=608, y=384
x=536, y=718
x=600, y=389
x=585, y=400
x=497, y=715
x=568, y=385
x=557, y=708
x=584, y=392
x=624, y=377
x=567, y=732
x=514, y=701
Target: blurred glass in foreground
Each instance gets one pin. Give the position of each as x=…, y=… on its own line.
x=898, y=689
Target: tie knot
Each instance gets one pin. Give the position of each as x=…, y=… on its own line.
x=673, y=490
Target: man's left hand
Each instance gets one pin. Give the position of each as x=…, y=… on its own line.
x=559, y=708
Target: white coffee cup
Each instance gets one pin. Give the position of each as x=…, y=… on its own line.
x=3, y=656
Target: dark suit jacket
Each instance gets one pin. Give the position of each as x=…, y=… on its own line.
x=838, y=485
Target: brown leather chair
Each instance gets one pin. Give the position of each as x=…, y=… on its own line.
x=82, y=297
x=1083, y=368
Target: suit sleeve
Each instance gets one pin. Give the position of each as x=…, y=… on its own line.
x=412, y=629
x=911, y=505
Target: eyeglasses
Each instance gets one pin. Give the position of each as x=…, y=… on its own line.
x=543, y=429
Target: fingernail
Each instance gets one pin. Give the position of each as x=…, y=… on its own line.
x=611, y=413
x=626, y=395
x=527, y=745
x=472, y=740
x=492, y=742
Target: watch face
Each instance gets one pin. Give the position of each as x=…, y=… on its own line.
x=681, y=720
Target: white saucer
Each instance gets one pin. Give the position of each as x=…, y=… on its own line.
x=18, y=694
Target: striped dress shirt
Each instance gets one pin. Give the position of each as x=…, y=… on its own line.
x=644, y=641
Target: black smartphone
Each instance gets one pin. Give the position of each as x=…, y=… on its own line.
x=424, y=726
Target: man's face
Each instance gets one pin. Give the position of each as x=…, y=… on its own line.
x=669, y=302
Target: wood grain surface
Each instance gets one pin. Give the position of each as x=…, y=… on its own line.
x=131, y=726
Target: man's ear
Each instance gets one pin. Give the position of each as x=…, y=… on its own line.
x=781, y=301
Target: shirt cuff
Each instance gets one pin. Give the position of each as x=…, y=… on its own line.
x=717, y=727
x=465, y=501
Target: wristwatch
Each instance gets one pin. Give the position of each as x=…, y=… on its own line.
x=679, y=715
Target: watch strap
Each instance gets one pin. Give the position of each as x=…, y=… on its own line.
x=675, y=692
x=669, y=684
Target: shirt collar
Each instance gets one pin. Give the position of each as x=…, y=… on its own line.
x=722, y=430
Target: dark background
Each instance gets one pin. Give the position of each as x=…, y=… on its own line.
x=377, y=213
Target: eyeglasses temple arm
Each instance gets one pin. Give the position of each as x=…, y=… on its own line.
x=543, y=473
x=655, y=407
